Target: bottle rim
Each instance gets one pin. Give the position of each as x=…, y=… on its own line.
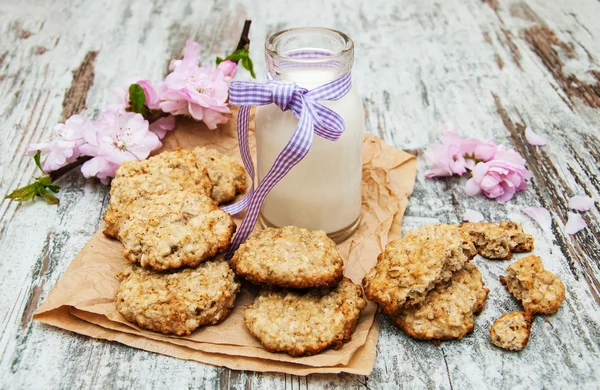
x=310, y=55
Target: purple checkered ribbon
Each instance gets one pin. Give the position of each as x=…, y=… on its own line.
x=312, y=116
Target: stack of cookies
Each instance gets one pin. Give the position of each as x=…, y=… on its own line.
x=165, y=211
x=305, y=305
x=426, y=285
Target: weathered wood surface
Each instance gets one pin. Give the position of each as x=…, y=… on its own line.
x=491, y=67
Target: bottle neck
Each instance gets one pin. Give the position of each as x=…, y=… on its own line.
x=308, y=77
x=309, y=67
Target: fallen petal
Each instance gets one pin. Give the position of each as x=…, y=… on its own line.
x=581, y=203
x=533, y=138
x=574, y=223
x=540, y=215
x=472, y=216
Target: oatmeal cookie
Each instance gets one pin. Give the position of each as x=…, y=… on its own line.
x=179, y=302
x=176, y=170
x=498, y=242
x=511, y=331
x=175, y=229
x=448, y=311
x=411, y=266
x=289, y=257
x=227, y=176
x=305, y=323
x=538, y=290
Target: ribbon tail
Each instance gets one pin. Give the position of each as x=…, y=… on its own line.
x=293, y=152
x=243, y=130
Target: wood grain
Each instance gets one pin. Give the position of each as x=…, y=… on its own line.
x=492, y=67
x=83, y=78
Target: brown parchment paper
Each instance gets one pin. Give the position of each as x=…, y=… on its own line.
x=82, y=301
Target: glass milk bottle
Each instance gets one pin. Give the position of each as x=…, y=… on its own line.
x=324, y=190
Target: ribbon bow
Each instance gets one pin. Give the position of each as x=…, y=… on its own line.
x=312, y=116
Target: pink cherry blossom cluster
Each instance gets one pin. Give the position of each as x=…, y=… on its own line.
x=118, y=134
x=197, y=91
x=496, y=172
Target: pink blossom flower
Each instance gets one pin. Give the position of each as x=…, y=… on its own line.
x=229, y=68
x=193, y=90
x=158, y=127
x=150, y=92
x=64, y=146
x=447, y=158
x=117, y=136
x=474, y=151
x=533, y=138
x=497, y=179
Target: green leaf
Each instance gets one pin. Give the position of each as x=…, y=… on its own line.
x=240, y=55
x=36, y=158
x=39, y=187
x=236, y=56
x=48, y=197
x=251, y=67
x=248, y=65
x=44, y=181
x=53, y=188
x=137, y=98
x=24, y=193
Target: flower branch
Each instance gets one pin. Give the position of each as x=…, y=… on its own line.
x=134, y=127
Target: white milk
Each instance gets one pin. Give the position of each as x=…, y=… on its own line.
x=324, y=190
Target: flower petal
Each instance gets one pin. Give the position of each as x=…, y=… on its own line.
x=162, y=125
x=99, y=167
x=533, y=138
x=581, y=203
x=213, y=118
x=540, y=215
x=472, y=187
x=472, y=216
x=574, y=223
x=437, y=172
x=196, y=111
x=192, y=54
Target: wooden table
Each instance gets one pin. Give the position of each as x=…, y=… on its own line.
x=492, y=67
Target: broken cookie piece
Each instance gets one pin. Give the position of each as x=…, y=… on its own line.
x=498, y=242
x=226, y=174
x=538, y=290
x=412, y=266
x=511, y=331
x=448, y=311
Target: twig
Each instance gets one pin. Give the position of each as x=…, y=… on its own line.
x=244, y=39
x=60, y=172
